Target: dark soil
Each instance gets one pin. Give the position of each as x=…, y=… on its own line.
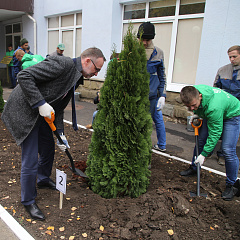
x=165, y=211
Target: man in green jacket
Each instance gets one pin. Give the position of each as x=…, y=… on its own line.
x=222, y=111
x=11, y=73
x=27, y=59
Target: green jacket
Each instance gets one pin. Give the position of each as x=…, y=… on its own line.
x=216, y=106
x=30, y=60
x=10, y=54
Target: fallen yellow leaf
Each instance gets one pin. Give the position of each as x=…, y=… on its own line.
x=170, y=232
x=72, y=213
x=61, y=229
x=101, y=228
x=29, y=220
x=5, y=197
x=211, y=228
x=73, y=208
x=48, y=232
x=50, y=228
x=84, y=235
x=71, y=238
x=68, y=199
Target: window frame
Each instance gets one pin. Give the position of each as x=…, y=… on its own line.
x=173, y=87
x=61, y=29
x=18, y=34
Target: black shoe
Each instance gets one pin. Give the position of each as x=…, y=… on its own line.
x=237, y=185
x=50, y=185
x=189, y=172
x=35, y=212
x=229, y=193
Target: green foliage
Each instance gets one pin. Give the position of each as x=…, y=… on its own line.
x=120, y=149
x=1, y=98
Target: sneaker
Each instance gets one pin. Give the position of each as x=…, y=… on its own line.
x=156, y=147
x=221, y=160
x=237, y=185
x=189, y=172
x=229, y=192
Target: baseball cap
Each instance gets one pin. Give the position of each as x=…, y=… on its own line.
x=61, y=46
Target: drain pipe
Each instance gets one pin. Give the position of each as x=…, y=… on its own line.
x=34, y=34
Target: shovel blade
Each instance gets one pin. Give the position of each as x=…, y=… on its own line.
x=79, y=172
x=193, y=194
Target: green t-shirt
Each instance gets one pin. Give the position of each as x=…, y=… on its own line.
x=10, y=54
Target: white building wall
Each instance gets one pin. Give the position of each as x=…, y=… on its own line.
x=220, y=31
x=101, y=23
x=102, y=27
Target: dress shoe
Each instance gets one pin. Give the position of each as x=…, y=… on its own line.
x=50, y=185
x=189, y=172
x=229, y=192
x=35, y=212
x=237, y=185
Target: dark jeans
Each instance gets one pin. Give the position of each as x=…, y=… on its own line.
x=12, y=76
x=37, y=160
x=230, y=136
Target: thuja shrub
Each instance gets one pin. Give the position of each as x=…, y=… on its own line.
x=120, y=148
x=1, y=98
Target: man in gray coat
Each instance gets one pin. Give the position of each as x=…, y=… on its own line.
x=44, y=88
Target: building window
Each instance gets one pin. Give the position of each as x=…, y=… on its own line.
x=178, y=26
x=134, y=11
x=65, y=29
x=13, y=34
x=162, y=8
x=191, y=7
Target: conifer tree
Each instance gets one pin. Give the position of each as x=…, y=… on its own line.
x=120, y=148
x=1, y=98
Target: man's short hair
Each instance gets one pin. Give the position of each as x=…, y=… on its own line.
x=19, y=52
x=235, y=47
x=23, y=41
x=188, y=93
x=93, y=52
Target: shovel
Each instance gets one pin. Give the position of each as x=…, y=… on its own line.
x=196, y=124
x=52, y=126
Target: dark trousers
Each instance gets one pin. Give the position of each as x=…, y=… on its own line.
x=37, y=159
x=12, y=76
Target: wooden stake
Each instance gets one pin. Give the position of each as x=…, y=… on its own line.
x=61, y=200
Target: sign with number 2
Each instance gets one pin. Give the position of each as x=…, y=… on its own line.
x=61, y=179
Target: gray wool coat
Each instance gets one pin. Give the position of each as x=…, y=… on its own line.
x=48, y=80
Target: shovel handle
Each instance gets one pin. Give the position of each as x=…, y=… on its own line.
x=50, y=121
x=196, y=127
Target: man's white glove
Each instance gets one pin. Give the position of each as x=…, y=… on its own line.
x=200, y=159
x=45, y=110
x=195, y=116
x=161, y=103
x=64, y=146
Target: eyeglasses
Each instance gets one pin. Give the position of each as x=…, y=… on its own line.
x=97, y=69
